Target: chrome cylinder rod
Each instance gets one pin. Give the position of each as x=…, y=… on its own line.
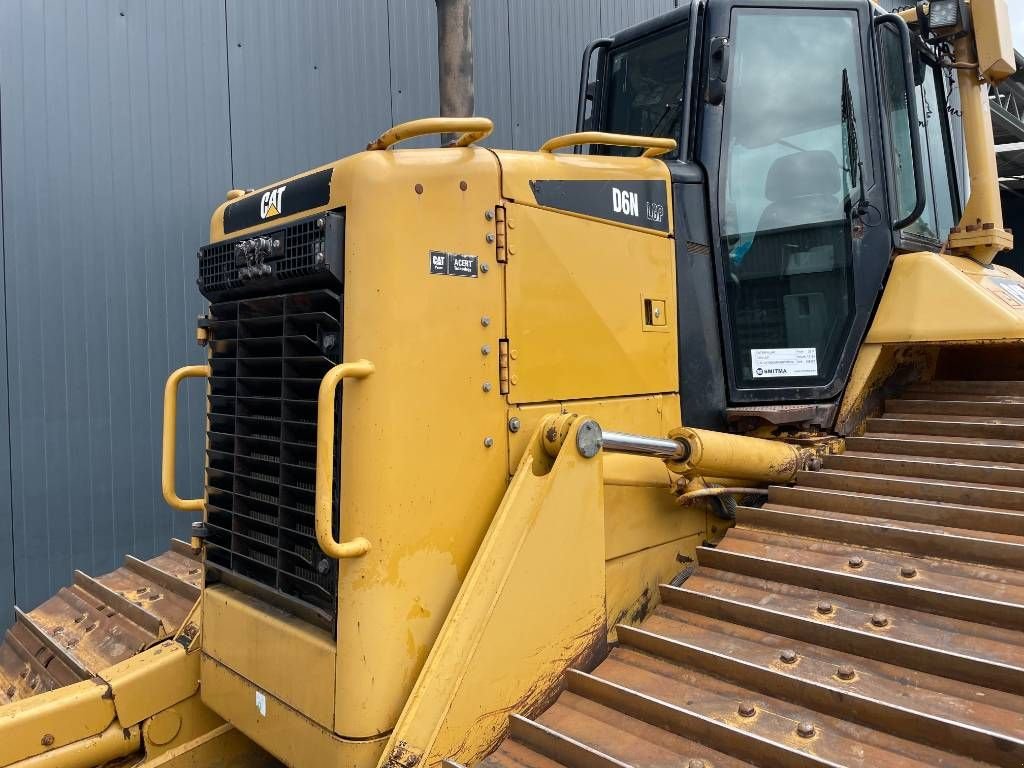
x=641, y=445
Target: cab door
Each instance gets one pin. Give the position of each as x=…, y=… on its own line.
x=791, y=138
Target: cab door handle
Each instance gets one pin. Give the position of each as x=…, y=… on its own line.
x=718, y=69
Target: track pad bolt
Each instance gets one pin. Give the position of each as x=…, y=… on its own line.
x=908, y=571
x=746, y=709
x=856, y=562
x=805, y=730
x=788, y=656
x=879, y=620
x=695, y=764
x=844, y=672
x=824, y=607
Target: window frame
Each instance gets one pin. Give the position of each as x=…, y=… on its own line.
x=683, y=19
x=826, y=378
x=904, y=239
x=607, y=57
x=914, y=241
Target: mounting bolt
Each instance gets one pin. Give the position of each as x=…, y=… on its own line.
x=908, y=571
x=47, y=740
x=879, y=620
x=844, y=672
x=489, y=237
x=486, y=386
x=856, y=562
x=485, y=349
x=485, y=321
x=320, y=223
x=514, y=424
x=488, y=442
x=805, y=730
x=489, y=215
x=788, y=656
x=746, y=709
x=485, y=267
x=824, y=607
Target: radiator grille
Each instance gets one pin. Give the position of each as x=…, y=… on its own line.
x=272, y=261
x=268, y=355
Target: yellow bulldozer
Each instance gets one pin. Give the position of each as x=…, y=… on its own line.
x=702, y=447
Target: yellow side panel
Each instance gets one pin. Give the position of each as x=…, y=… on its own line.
x=933, y=298
x=633, y=580
x=519, y=170
x=576, y=293
x=419, y=478
x=279, y=729
x=283, y=655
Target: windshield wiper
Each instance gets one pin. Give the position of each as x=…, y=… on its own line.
x=855, y=167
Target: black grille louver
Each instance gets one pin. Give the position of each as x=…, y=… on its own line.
x=272, y=261
x=268, y=354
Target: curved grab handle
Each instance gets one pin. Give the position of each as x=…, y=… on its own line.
x=325, y=461
x=472, y=129
x=167, y=461
x=654, y=145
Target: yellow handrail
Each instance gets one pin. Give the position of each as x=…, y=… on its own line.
x=170, y=427
x=472, y=129
x=655, y=145
x=325, y=461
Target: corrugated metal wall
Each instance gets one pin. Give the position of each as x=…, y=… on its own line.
x=122, y=124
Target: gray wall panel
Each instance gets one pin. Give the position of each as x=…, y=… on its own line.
x=309, y=83
x=617, y=15
x=493, y=87
x=6, y=511
x=412, y=26
x=547, y=40
x=115, y=149
x=413, y=49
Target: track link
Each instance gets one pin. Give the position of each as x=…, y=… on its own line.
x=97, y=622
x=870, y=615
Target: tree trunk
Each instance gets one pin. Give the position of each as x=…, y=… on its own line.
x=455, y=59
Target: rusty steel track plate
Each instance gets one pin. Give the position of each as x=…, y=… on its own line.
x=870, y=615
x=97, y=622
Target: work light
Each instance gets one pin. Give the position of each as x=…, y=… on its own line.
x=943, y=14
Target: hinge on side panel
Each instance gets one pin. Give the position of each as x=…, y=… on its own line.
x=503, y=376
x=500, y=233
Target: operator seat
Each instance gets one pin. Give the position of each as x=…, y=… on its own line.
x=787, y=280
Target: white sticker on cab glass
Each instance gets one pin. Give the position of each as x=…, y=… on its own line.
x=788, y=361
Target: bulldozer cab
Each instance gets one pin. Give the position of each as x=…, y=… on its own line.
x=814, y=142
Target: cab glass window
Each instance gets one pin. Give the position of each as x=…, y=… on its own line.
x=646, y=85
x=936, y=154
x=934, y=133
x=795, y=144
x=895, y=108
